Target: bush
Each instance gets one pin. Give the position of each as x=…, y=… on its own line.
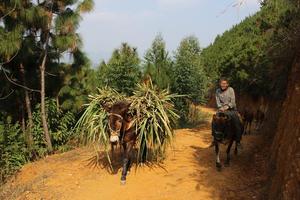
x=60, y=127
x=195, y=116
x=13, y=151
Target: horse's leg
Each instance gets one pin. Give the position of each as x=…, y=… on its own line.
x=218, y=162
x=245, y=127
x=112, y=152
x=248, y=127
x=228, y=153
x=124, y=166
x=250, y=123
x=130, y=147
x=126, y=161
x=257, y=124
x=235, y=149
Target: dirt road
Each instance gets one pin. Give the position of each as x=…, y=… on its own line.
x=187, y=173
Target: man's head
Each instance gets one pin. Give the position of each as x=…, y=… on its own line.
x=223, y=83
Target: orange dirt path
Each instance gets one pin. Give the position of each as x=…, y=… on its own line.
x=187, y=173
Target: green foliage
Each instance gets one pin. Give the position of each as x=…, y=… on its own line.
x=238, y=54
x=102, y=74
x=189, y=77
x=195, y=116
x=155, y=119
x=122, y=71
x=60, y=126
x=13, y=151
x=249, y=53
x=10, y=42
x=76, y=82
x=86, y=6
x=158, y=64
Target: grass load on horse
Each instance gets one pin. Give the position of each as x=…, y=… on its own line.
x=143, y=121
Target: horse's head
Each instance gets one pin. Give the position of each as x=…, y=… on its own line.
x=116, y=116
x=221, y=121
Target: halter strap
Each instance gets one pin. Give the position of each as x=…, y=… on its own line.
x=113, y=132
x=116, y=115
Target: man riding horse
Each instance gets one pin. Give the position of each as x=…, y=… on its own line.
x=226, y=104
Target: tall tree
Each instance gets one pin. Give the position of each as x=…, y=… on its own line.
x=13, y=49
x=77, y=81
x=158, y=63
x=53, y=26
x=58, y=35
x=189, y=77
x=123, y=70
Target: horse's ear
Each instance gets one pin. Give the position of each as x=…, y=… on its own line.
x=106, y=107
x=214, y=117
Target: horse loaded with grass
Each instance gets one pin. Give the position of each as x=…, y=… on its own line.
x=144, y=120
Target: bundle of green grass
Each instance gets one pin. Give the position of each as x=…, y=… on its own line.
x=154, y=115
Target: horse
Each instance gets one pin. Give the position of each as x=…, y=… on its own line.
x=122, y=130
x=259, y=117
x=248, y=117
x=224, y=129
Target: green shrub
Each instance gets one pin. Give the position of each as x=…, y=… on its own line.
x=195, y=116
x=13, y=151
x=60, y=127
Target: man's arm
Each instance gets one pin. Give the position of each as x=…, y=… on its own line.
x=219, y=105
x=232, y=103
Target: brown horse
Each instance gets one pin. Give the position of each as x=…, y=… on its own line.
x=122, y=130
x=248, y=118
x=259, y=117
x=224, y=129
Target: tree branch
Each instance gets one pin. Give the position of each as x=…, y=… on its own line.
x=17, y=84
x=2, y=98
x=9, y=79
x=9, y=11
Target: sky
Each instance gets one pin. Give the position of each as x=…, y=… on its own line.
x=137, y=22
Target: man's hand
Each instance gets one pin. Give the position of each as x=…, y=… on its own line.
x=224, y=108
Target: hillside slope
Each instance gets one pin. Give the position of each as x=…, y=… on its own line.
x=285, y=149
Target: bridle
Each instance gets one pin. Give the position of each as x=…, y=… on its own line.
x=116, y=115
x=219, y=135
x=114, y=132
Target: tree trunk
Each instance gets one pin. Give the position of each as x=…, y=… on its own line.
x=43, y=109
x=28, y=109
x=57, y=103
x=23, y=124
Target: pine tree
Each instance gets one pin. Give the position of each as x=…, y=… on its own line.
x=52, y=27
x=158, y=63
x=189, y=76
x=123, y=70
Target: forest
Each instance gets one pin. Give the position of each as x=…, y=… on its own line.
x=42, y=96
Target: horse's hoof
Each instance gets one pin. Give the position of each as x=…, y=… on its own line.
x=123, y=182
